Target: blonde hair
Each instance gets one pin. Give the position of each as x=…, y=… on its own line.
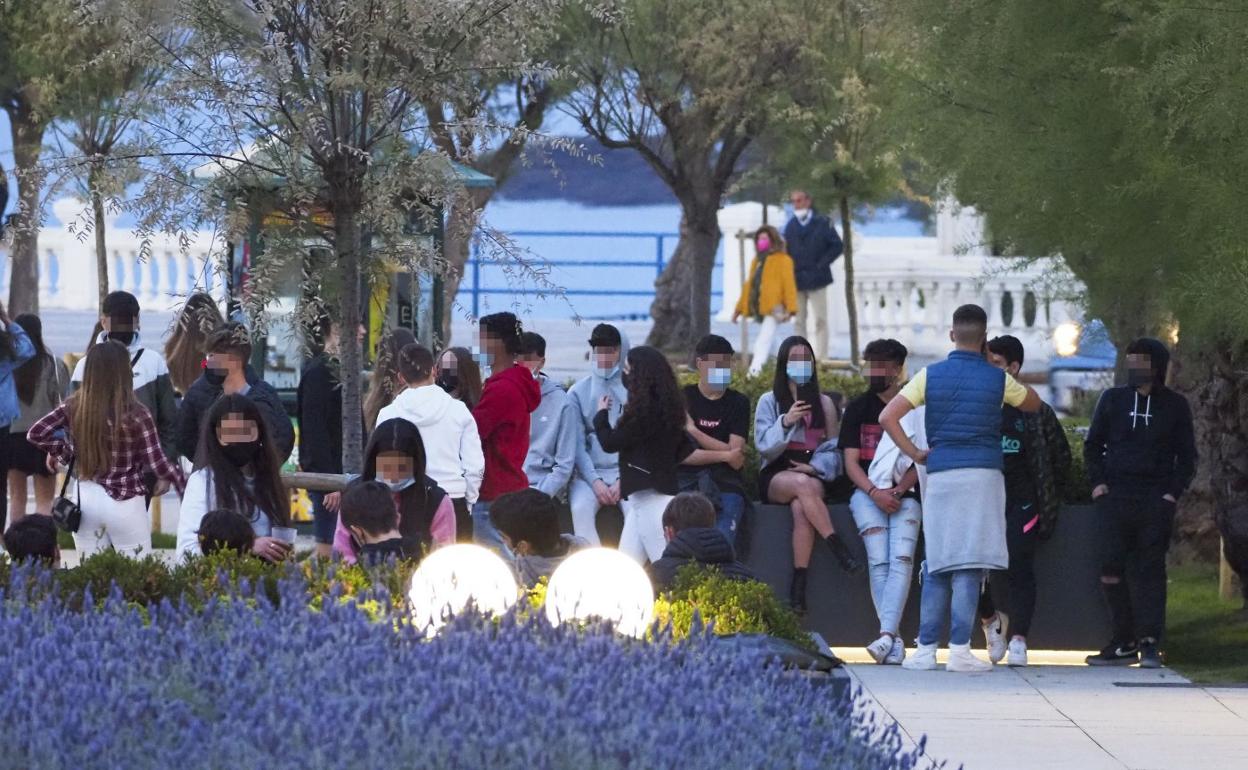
x=188, y=343
x=99, y=406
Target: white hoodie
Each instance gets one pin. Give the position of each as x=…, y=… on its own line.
x=890, y=464
x=452, y=444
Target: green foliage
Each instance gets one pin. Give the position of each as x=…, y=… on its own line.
x=728, y=606
x=1206, y=635
x=1078, y=490
x=143, y=581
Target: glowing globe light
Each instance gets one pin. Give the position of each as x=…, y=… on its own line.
x=1066, y=339
x=601, y=583
x=451, y=577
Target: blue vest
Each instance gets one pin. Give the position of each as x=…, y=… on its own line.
x=964, y=394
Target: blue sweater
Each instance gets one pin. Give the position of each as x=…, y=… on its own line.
x=23, y=351
x=813, y=246
x=964, y=396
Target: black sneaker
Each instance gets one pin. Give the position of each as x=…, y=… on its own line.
x=843, y=556
x=1150, y=656
x=1115, y=655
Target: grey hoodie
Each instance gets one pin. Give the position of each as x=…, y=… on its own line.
x=453, y=456
x=553, y=440
x=591, y=462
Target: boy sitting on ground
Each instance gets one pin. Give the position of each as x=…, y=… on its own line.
x=223, y=530
x=33, y=537
x=369, y=514
x=693, y=538
x=528, y=521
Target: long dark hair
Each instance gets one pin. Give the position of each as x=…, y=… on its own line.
x=383, y=386
x=7, y=348
x=100, y=407
x=402, y=437
x=469, y=373
x=654, y=398
x=229, y=486
x=809, y=392
x=26, y=377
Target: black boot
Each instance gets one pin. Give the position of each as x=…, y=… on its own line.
x=842, y=554
x=797, y=591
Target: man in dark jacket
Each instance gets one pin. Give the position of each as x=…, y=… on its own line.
x=320, y=427
x=1141, y=455
x=692, y=538
x=814, y=245
x=227, y=372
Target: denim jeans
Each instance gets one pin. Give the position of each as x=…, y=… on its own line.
x=890, y=553
x=484, y=533
x=324, y=521
x=959, y=588
x=732, y=508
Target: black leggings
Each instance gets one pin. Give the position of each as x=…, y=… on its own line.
x=463, y=520
x=1021, y=527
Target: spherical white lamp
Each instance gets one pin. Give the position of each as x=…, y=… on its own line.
x=605, y=584
x=451, y=577
x=1066, y=339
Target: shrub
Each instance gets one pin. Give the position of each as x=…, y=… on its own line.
x=729, y=606
x=1078, y=490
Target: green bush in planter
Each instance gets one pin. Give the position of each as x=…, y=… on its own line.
x=729, y=606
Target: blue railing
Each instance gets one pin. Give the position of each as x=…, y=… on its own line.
x=579, y=278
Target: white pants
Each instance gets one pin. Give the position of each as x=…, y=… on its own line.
x=762, y=343
x=814, y=304
x=642, y=537
x=585, y=506
x=123, y=525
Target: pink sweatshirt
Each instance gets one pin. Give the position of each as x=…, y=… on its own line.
x=441, y=530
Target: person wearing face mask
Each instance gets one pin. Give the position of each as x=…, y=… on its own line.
x=236, y=469
x=888, y=517
x=596, y=483
x=226, y=372
x=1140, y=453
x=119, y=321
x=794, y=424
x=395, y=457
x=769, y=296
x=719, y=423
x=459, y=375
x=815, y=245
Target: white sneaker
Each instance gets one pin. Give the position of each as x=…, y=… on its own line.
x=1018, y=653
x=880, y=648
x=994, y=632
x=962, y=660
x=897, y=655
x=923, y=659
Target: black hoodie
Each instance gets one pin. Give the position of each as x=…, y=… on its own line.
x=1141, y=444
x=706, y=546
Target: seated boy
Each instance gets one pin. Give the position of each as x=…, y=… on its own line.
x=528, y=521
x=223, y=530
x=692, y=537
x=368, y=513
x=33, y=537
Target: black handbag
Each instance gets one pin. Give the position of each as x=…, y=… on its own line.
x=65, y=512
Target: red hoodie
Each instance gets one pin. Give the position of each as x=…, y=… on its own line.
x=503, y=421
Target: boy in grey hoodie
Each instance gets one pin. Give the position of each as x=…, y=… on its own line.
x=552, y=426
x=596, y=483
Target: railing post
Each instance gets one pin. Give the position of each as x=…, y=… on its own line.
x=658, y=256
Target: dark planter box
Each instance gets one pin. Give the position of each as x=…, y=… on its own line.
x=1069, y=612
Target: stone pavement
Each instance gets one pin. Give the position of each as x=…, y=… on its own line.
x=1062, y=716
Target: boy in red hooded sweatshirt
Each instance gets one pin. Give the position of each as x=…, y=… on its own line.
x=511, y=394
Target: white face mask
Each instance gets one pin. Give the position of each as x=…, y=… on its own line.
x=801, y=214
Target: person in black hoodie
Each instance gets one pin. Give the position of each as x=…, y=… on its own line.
x=693, y=538
x=1141, y=455
x=320, y=425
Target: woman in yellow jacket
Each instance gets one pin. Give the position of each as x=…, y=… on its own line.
x=770, y=292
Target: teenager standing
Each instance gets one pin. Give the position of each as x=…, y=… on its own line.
x=187, y=346
x=40, y=384
x=769, y=295
x=554, y=429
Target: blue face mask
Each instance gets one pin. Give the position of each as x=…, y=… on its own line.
x=398, y=486
x=718, y=378
x=483, y=359
x=800, y=372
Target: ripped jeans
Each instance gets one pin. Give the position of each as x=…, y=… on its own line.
x=890, y=540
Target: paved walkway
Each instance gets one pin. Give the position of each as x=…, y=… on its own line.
x=1063, y=716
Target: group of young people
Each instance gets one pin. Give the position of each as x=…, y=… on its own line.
x=485, y=447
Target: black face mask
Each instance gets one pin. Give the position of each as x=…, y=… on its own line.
x=879, y=384
x=125, y=338
x=214, y=377
x=241, y=454
x=1138, y=377
x=448, y=382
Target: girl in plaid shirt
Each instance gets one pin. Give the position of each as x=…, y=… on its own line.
x=114, y=444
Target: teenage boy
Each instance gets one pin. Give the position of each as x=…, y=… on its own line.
x=509, y=397
x=553, y=426
x=693, y=537
x=719, y=422
x=596, y=484
x=453, y=456
x=528, y=522
x=119, y=317
x=964, y=500
x=369, y=514
x=1037, y=460
x=33, y=537
x=223, y=530
x=1140, y=453
x=319, y=407
x=888, y=518
x=226, y=373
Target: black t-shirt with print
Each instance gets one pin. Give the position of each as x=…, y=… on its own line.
x=1019, y=485
x=861, y=430
x=720, y=418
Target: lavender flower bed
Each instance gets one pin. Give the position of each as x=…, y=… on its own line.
x=250, y=684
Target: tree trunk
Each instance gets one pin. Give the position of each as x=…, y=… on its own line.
x=851, y=300
x=457, y=249
x=681, y=311
x=347, y=255
x=95, y=182
x=27, y=131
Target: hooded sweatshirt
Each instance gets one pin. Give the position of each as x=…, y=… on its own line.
x=592, y=462
x=502, y=415
x=706, y=546
x=553, y=440
x=453, y=456
x=152, y=389
x=1142, y=444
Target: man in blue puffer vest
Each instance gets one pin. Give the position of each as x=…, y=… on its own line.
x=964, y=501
